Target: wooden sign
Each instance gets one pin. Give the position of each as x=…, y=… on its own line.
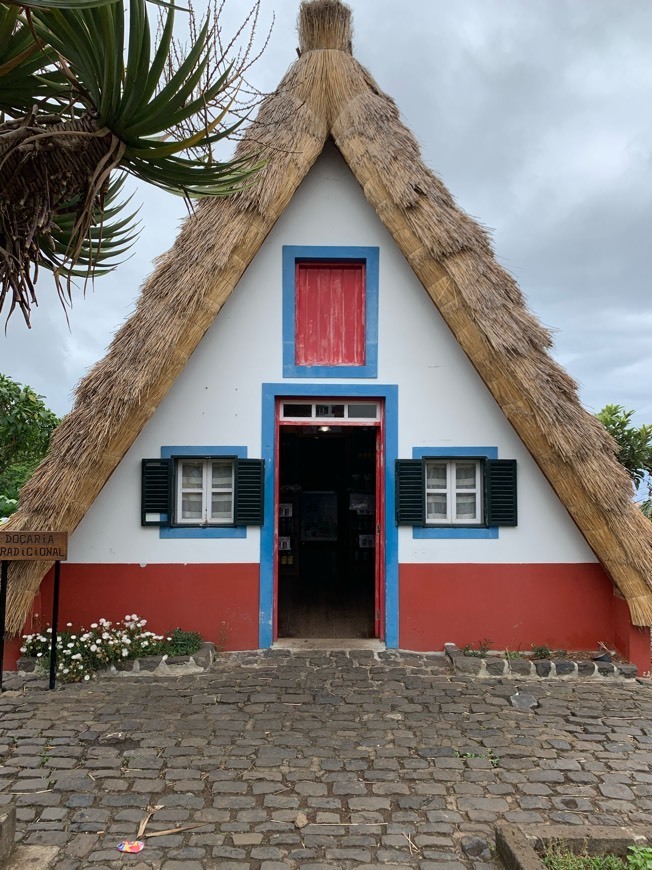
x=33, y=546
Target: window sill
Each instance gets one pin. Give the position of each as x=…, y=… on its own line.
x=452, y=532
x=203, y=532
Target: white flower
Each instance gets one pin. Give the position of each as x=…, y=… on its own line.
x=86, y=676
x=70, y=645
x=48, y=630
x=38, y=655
x=106, y=635
x=69, y=624
x=77, y=656
x=94, y=625
x=125, y=652
x=93, y=647
x=66, y=670
x=134, y=616
x=23, y=649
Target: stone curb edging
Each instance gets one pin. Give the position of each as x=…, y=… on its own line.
x=160, y=666
x=499, y=666
x=519, y=848
x=7, y=832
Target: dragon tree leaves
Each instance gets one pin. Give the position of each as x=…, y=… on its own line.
x=84, y=95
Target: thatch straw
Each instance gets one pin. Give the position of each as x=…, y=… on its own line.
x=327, y=93
x=325, y=24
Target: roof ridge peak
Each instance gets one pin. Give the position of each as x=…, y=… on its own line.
x=325, y=24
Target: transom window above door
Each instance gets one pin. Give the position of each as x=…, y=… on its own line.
x=320, y=410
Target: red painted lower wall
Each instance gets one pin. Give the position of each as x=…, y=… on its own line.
x=564, y=606
x=218, y=601
x=631, y=640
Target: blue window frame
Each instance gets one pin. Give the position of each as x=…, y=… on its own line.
x=174, y=452
x=477, y=532
x=370, y=256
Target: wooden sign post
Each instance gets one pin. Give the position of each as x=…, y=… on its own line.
x=32, y=547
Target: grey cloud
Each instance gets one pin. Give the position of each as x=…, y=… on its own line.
x=535, y=114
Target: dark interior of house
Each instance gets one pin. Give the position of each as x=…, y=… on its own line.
x=326, y=532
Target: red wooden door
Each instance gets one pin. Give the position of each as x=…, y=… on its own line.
x=330, y=314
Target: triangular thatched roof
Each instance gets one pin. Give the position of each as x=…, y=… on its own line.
x=326, y=93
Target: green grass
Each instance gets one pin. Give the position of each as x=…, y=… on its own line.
x=558, y=857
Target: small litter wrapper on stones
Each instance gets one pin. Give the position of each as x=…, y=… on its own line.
x=131, y=846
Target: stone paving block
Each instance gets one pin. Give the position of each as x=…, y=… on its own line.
x=394, y=747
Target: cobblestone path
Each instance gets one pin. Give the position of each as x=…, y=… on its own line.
x=318, y=759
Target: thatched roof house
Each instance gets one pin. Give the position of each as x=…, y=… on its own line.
x=328, y=95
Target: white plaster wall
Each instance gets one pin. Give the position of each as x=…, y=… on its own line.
x=217, y=398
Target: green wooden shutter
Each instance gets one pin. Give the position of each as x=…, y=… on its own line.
x=156, y=492
x=249, y=489
x=410, y=492
x=500, y=488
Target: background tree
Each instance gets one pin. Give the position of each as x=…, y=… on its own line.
x=26, y=426
x=635, y=448
x=85, y=97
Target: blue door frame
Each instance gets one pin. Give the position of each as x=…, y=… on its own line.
x=270, y=393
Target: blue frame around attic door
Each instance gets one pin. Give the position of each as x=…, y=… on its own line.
x=370, y=256
x=272, y=392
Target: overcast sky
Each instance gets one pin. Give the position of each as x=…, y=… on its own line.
x=536, y=114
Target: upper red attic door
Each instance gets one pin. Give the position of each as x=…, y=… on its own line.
x=330, y=314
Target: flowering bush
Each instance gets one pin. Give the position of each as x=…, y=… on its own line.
x=80, y=655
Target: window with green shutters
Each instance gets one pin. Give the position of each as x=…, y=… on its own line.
x=456, y=492
x=202, y=491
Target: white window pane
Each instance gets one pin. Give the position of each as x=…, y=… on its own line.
x=466, y=506
x=465, y=475
x=297, y=410
x=191, y=506
x=436, y=507
x=222, y=475
x=329, y=411
x=221, y=506
x=362, y=410
x=192, y=476
x=436, y=476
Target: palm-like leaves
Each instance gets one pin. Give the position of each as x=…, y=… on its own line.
x=80, y=99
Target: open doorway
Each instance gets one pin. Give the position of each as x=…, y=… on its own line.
x=327, y=537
